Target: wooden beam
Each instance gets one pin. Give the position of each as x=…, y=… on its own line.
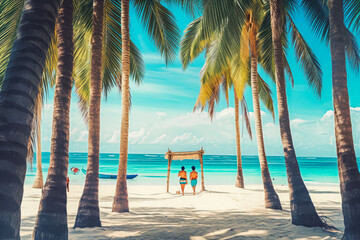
x=168, y=173
x=202, y=173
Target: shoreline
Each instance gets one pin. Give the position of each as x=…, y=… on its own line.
x=221, y=212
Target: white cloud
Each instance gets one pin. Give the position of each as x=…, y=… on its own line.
x=136, y=136
x=160, y=139
x=83, y=137
x=329, y=114
x=161, y=114
x=115, y=138
x=297, y=122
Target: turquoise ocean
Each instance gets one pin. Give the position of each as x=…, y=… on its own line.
x=218, y=169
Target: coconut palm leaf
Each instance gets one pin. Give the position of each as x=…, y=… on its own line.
x=245, y=117
x=288, y=71
x=306, y=57
x=265, y=95
x=318, y=13
x=225, y=18
x=192, y=7
x=10, y=13
x=161, y=27
x=352, y=13
x=193, y=42
x=352, y=49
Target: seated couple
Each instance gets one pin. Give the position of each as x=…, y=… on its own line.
x=183, y=178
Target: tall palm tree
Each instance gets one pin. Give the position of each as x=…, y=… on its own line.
x=88, y=211
x=239, y=181
x=348, y=168
x=230, y=17
x=39, y=181
x=106, y=68
x=302, y=209
x=51, y=220
x=121, y=203
x=162, y=28
x=17, y=99
x=249, y=42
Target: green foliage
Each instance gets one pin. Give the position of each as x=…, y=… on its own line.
x=161, y=27
x=10, y=13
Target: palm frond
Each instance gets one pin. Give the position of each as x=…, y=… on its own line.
x=245, y=116
x=10, y=13
x=352, y=13
x=161, y=26
x=352, y=49
x=288, y=71
x=192, y=7
x=307, y=58
x=112, y=54
x=265, y=95
x=318, y=14
x=193, y=42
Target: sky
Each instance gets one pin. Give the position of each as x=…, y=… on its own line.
x=162, y=114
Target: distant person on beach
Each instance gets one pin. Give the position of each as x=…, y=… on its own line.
x=68, y=184
x=193, y=178
x=183, y=179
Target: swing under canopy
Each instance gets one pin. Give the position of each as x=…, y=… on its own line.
x=195, y=155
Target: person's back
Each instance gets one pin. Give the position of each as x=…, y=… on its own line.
x=183, y=179
x=193, y=175
x=193, y=178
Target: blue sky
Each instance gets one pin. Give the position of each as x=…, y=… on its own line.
x=162, y=117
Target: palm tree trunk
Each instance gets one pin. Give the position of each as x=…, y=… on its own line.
x=88, y=214
x=239, y=176
x=271, y=198
x=51, y=222
x=348, y=169
x=302, y=209
x=121, y=203
x=39, y=181
x=17, y=100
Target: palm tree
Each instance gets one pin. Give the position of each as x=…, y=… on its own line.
x=107, y=48
x=239, y=181
x=162, y=28
x=51, y=220
x=302, y=209
x=88, y=211
x=39, y=181
x=230, y=17
x=17, y=99
x=348, y=168
x=249, y=40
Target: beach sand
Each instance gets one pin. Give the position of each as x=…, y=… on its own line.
x=221, y=212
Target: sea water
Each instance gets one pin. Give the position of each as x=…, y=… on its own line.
x=218, y=169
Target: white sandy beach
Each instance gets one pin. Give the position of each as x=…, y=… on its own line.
x=222, y=212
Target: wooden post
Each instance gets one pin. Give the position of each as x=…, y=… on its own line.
x=202, y=172
x=168, y=173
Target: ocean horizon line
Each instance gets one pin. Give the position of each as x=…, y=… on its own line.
x=234, y=155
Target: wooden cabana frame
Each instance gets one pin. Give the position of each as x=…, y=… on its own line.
x=195, y=155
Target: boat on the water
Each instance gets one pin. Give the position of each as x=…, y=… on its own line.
x=112, y=176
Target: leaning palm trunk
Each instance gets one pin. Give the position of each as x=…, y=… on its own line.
x=348, y=169
x=88, y=214
x=39, y=181
x=239, y=176
x=271, y=198
x=17, y=100
x=121, y=203
x=51, y=222
x=302, y=209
